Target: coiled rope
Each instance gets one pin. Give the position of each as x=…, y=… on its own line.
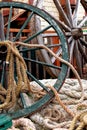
x=54, y=116
x=82, y=119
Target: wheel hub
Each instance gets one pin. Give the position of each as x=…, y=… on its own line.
x=77, y=33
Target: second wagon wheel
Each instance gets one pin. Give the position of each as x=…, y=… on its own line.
x=73, y=21
x=14, y=75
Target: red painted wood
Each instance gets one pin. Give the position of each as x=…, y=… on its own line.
x=72, y=2
x=56, y=41
x=6, y=0
x=31, y=2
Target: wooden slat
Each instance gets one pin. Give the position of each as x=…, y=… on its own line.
x=17, y=30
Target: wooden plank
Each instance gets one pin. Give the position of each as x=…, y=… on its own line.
x=17, y=30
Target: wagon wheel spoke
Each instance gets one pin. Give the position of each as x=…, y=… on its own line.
x=72, y=44
x=69, y=14
x=82, y=22
x=82, y=41
x=2, y=36
x=24, y=25
x=66, y=28
x=45, y=56
x=71, y=49
x=78, y=59
x=75, y=15
x=36, y=34
x=39, y=62
x=70, y=39
x=37, y=81
x=82, y=51
x=59, y=51
x=62, y=24
x=62, y=13
x=9, y=19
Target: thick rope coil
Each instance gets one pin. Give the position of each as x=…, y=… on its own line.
x=2, y=90
x=25, y=123
x=81, y=118
x=19, y=76
x=8, y=55
x=15, y=85
x=9, y=89
x=52, y=114
x=25, y=78
x=11, y=82
x=49, y=119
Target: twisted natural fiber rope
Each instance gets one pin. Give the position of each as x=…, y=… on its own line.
x=60, y=102
x=82, y=117
x=25, y=123
x=12, y=90
x=13, y=87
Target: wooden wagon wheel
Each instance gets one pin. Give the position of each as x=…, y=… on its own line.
x=74, y=31
x=6, y=38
